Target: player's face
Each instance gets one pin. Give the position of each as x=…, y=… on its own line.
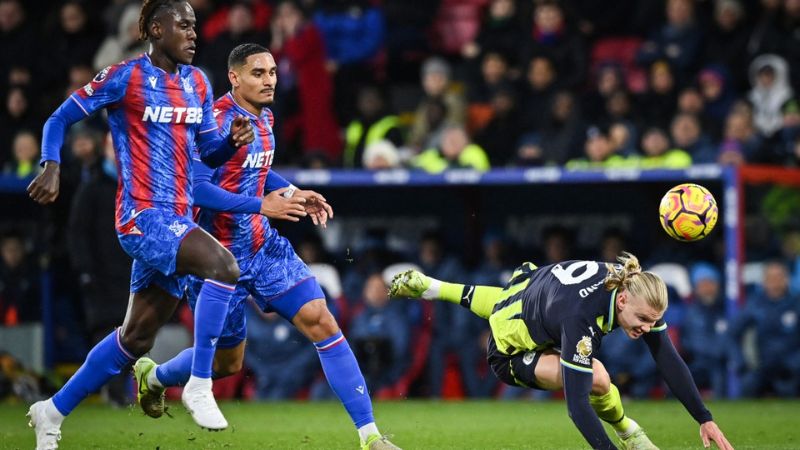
x=178, y=36
x=634, y=315
x=255, y=81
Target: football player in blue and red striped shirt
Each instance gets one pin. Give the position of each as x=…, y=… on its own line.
x=159, y=109
x=235, y=211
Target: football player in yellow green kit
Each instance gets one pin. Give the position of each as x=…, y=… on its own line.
x=547, y=323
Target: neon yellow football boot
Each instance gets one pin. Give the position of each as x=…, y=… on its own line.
x=638, y=440
x=378, y=442
x=410, y=284
x=151, y=399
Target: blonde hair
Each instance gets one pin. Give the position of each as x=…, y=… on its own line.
x=630, y=277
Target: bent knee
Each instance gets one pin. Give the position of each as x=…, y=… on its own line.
x=315, y=321
x=226, y=368
x=601, y=381
x=136, y=343
x=224, y=267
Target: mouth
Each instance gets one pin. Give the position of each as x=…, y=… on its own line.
x=268, y=91
x=191, y=50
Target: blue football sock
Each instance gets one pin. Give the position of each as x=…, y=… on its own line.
x=209, y=317
x=177, y=370
x=104, y=361
x=343, y=374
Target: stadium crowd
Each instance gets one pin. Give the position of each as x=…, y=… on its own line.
x=435, y=85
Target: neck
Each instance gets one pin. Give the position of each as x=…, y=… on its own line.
x=248, y=106
x=162, y=61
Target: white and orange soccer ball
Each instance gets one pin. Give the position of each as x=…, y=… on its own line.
x=688, y=212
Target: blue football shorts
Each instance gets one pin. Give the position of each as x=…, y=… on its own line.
x=152, y=238
x=277, y=279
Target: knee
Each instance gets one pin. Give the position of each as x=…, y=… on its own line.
x=223, y=267
x=227, y=368
x=135, y=341
x=316, y=321
x=601, y=381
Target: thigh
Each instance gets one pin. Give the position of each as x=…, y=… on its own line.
x=153, y=238
x=148, y=310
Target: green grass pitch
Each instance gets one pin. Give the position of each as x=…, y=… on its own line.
x=414, y=425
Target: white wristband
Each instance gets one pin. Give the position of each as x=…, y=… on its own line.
x=288, y=193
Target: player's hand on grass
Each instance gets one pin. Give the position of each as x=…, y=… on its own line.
x=709, y=431
x=275, y=206
x=241, y=132
x=44, y=188
x=316, y=206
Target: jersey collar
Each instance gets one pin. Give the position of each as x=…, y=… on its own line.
x=178, y=68
x=245, y=112
x=608, y=324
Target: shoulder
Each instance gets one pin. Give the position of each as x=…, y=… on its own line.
x=270, y=117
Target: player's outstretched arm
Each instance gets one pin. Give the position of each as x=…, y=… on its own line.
x=709, y=432
x=675, y=372
x=316, y=206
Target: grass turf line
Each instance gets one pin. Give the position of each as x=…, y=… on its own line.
x=414, y=424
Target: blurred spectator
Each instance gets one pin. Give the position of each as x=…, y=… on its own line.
x=354, y=33
x=529, y=151
x=439, y=93
x=740, y=142
x=563, y=137
x=608, y=80
x=599, y=152
x=704, y=330
x=595, y=19
x=17, y=115
x=86, y=152
x=212, y=21
x=381, y=155
x=776, y=33
x=102, y=266
x=786, y=152
x=305, y=86
x=773, y=314
x=690, y=101
x=790, y=248
x=74, y=40
x=659, y=102
x=495, y=268
x=688, y=136
x=408, y=26
x=372, y=123
x=380, y=336
x=557, y=244
x=370, y=254
x=499, y=137
x=550, y=35
x=493, y=74
x=241, y=29
x=281, y=358
x=612, y=244
x=18, y=38
x=500, y=32
x=125, y=43
x=718, y=97
x=624, y=136
x=726, y=41
x=25, y=152
x=19, y=282
x=537, y=92
x=769, y=76
x=678, y=41
x=658, y=154
x=455, y=151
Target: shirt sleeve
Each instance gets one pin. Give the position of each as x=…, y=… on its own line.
x=675, y=372
x=106, y=88
x=275, y=181
x=579, y=339
x=210, y=196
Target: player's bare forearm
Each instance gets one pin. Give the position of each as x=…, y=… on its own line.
x=44, y=188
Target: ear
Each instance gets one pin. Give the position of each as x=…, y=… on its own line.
x=622, y=300
x=233, y=77
x=156, y=31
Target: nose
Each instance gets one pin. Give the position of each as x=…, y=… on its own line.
x=646, y=328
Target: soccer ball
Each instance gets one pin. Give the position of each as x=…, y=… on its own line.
x=688, y=212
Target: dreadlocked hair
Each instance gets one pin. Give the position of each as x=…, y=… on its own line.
x=631, y=278
x=149, y=9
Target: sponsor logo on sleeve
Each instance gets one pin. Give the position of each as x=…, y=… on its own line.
x=101, y=75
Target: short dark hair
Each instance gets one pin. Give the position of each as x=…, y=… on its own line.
x=239, y=54
x=149, y=9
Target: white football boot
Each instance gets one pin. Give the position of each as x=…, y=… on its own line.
x=199, y=400
x=48, y=431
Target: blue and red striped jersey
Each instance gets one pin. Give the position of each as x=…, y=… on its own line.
x=155, y=119
x=245, y=174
